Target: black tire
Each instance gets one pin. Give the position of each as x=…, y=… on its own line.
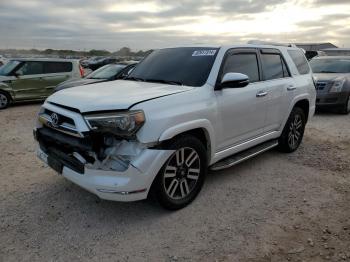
x=174, y=179
x=345, y=109
x=293, y=131
x=5, y=100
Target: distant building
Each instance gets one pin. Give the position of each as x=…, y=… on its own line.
x=337, y=51
x=315, y=46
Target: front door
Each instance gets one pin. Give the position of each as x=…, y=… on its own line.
x=29, y=83
x=243, y=110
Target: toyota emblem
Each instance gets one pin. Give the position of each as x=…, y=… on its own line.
x=54, y=119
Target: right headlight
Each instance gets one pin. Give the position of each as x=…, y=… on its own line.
x=124, y=124
x=337, y=86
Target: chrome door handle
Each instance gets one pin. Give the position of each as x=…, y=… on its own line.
x=291, y=88
x=261, y=94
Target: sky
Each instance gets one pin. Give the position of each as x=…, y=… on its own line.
x=150, y=24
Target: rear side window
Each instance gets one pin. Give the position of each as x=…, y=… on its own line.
x=242, y=63
x=274, y=66
x=58, y=67
x=299, y=61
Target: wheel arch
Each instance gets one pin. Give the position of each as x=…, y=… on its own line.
x=304, y=104
x=7, y=90
x=201, y=129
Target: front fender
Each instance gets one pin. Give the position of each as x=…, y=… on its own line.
x=190, y=125
x=5, y=87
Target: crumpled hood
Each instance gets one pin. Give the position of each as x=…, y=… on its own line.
x=329, y=77
x=114, y=95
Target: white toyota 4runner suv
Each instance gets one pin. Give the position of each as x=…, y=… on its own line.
x=181, y=112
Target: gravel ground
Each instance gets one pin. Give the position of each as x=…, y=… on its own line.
x=275, y=207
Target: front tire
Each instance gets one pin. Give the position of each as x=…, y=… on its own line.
x=4, y=100
x=293, y=132
x=182, y=176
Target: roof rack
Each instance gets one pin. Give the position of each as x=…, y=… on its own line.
x=259, y=42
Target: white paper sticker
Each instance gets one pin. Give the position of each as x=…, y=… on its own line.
x=204, y=53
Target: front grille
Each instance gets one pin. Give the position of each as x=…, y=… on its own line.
x=321, y=85
x=59, y=122
x=63, y=119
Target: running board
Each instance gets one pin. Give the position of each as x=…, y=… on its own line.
x=242, y=156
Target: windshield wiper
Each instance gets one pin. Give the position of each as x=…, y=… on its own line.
x=164, y=81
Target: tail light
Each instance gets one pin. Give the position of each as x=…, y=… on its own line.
x=82, y=72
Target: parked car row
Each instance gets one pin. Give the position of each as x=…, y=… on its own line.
x=36, y=79
x=96, y=62
x=106, y=73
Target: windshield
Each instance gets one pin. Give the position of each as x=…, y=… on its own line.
x=106, y=72
x=8, y=68
x=182, y=66
x=330, y=65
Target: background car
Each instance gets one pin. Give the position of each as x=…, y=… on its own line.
x=332, y=76
x=3, y=60
x=103, y=74
x=99, y=62
x=34, y=79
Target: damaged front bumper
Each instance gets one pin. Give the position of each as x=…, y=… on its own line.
x=130, y=185
x=124, y=173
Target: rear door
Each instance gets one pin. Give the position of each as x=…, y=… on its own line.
x=242, y=110
x=279, y=85
x=55, y=73
x=29, y=84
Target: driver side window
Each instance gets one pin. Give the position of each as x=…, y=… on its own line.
x=245, y=63
x=31, y=68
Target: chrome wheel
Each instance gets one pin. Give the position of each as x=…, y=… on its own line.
x=181, y=173
x=3, y=101
x=295, y=131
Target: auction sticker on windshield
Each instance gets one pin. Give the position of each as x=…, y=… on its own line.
x=204, y=53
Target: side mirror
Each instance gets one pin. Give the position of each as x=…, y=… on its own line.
x=234, y=80
x=16, y=74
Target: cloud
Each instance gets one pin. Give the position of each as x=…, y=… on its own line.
x=109, y=24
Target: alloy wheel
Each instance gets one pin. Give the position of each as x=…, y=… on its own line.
x=181, y=173
x=295, y=131
x=3, y=101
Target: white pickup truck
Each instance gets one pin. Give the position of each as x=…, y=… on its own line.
x=181, y=112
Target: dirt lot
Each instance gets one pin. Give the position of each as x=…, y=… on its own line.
x=275, y=207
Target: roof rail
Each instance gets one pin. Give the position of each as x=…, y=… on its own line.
x=259, y=42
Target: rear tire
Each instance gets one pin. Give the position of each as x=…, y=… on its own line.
x=4, y=100
x=345, y=109
x=182, y=176
x=293, y=132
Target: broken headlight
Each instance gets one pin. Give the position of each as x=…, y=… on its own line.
x=124, y=124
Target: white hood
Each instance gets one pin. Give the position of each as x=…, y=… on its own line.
x=114, y=95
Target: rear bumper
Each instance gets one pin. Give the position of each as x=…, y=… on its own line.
x=331, y=99
x=130, y=185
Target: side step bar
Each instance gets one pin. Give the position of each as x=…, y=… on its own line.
x=242, y=156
